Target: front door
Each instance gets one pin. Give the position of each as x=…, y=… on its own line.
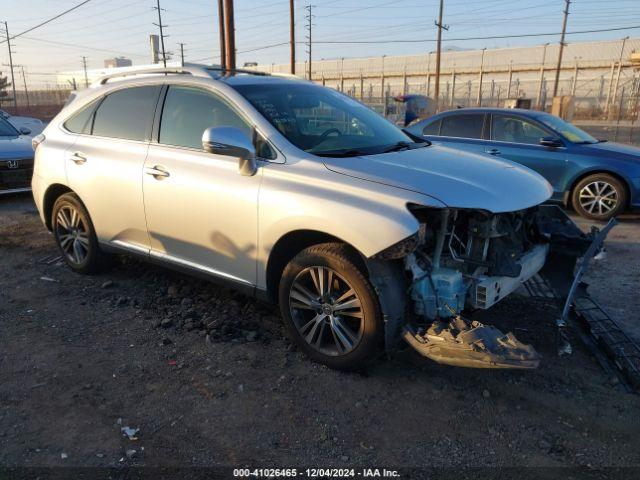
x=201, y=213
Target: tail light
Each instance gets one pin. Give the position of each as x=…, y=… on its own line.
x=37, y=140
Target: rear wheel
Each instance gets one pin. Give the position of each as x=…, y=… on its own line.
x=330, y=308
x=75, y=235
x=599, y=197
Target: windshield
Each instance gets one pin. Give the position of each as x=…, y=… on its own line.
x=323, y=121
x=6, y=129
x=567, y=130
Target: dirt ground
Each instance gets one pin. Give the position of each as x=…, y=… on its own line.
x=207, y=377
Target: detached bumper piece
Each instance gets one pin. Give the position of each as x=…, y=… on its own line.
x=471, y=345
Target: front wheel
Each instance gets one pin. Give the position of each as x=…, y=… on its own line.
x=599, y=197
x=330, y=308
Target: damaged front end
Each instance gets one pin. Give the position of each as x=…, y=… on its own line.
x=462, y=260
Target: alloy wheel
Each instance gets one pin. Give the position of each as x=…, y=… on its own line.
x=598, y=198
x=72, y=234
x=326, y=311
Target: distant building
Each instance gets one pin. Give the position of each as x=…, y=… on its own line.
x=117, y=62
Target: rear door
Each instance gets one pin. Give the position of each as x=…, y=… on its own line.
x=104, y=166
x=458, y=130
x=517, y=138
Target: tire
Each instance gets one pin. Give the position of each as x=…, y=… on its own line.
x=339, y=329
x=75, y=235
x=599, y=197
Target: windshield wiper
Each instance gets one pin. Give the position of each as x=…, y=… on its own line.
x=403, y=145
x=342, y=154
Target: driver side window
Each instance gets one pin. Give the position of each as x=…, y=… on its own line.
x=188, y=112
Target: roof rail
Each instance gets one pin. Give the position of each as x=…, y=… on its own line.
x=195, y=70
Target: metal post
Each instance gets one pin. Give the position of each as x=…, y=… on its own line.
x=510, y=77
x=181, y=54
x=382, y=79
x=480, y=78
x=539, y=99
x=13, y=83
x=615, y=136
x=404, y=81
x=230, y=34
x=84, y=67
x=564, y=30
x=608, y=101
x=453, y=87
x=615, y=88
x=292, y=38
x=575, y=79
x=309, y=44
x=26, y=91
x=223, y=47
x=342, y=74
x=361, y=86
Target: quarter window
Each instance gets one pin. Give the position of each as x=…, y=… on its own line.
x=127, y=113
x=516, y=130
x=432, y=129
x=463, y=126
x=188, y=112
x=81, y=121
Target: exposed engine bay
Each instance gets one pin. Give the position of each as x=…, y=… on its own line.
x=464, y=260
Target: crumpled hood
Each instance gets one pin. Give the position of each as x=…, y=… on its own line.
x=456, y=178
x=15, y=147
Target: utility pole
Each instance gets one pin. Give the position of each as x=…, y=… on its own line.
x=161, y=26
x=223, y=49
x=292, y=36
x=309, y=18
x=564, y=30
x=230, y=35
x=84, y=67
x=539, y=99
x=480, y=77
x=181, y=54
x=13, y=83
x=438, y=51
x=26, y=91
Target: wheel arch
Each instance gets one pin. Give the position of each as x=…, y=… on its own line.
x=598, y=171
x=292, y=243
x=52, y=193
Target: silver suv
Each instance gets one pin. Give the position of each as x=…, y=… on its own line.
x=298, y=194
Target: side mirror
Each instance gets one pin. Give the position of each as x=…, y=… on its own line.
x=232, y=142
x=552, y=142
x=25, y=131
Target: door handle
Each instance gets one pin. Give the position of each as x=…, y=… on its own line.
x=493, y=151
x=78, y=158
x=156, y=172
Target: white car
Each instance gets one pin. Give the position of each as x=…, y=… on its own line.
x=34, y=125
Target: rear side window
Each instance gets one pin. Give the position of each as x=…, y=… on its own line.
x=127, y=113
x=463, y=126
x=188, y=112
x=81, y=121
x=432, y=129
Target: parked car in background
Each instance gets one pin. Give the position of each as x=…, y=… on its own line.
x=16, y=159
x=34, y=125
x=598, y=179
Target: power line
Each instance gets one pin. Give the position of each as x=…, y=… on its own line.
x=47, y=21
x=460, y=39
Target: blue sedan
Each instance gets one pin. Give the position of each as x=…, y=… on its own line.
x=598, y=179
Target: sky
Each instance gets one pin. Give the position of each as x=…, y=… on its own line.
x=103, y=29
